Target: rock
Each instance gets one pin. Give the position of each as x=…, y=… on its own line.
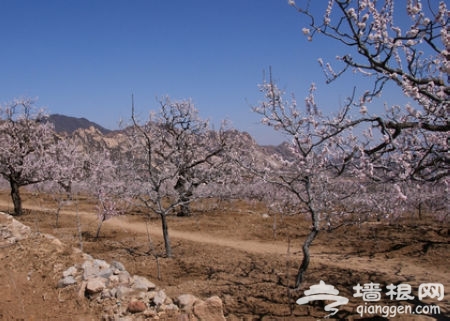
x=136, y=306
x=95, y=285
x=106, y=294
x=70, y=271
x=150, y=313
x=12, y=230
x=211, y=309
x=113, y=279
x=172, y=307
x=183, y=317
x=113, y=292
x=124, y=277
x=87, y=257
x=141, y=283
x=186, y=302
x=54, y=241
x=82, y=289
x=122, y=297
x=117, y=265
x=66, y=281
x=159, y=298
x=93, y=268
x=122, y=292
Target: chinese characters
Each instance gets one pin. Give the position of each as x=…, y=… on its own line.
x=371, y=292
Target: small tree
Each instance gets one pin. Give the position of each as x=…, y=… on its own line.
x=404, y=143
x=25, y=141
x=102, y=179
x=66, y=164
x=321, y=169
x=171, y=155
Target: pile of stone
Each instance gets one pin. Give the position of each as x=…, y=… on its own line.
x=125, y=297
x=122, y=297
x=11, y=230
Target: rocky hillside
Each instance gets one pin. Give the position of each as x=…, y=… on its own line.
x=91, y=134
x=115, y=141
x=68, y=124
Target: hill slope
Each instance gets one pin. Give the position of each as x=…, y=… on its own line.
x=70, y=124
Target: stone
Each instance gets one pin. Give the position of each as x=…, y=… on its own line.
x=93, y=268
x=124, y=298
x=150, y=313
x=87, y=257
x=186, y=302
x=151, y=295
x=70, y=271
x=124, y=277
x=117, y=265
x=95, y=285
x=113, y=279
x=136, y=306
x=123, y=291
x=183, y=317
x=82, y=289
x=107, y=294
x=142, y=283
x=172, y=307
x=211, y=309
x=56, y=242
x=159, y=298
x=12, y=230
x=66, y=281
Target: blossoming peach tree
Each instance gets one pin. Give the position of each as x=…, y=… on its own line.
x=171, y=155
x=338, y=155
x=25, y=143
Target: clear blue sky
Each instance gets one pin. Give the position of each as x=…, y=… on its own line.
x=85, y=58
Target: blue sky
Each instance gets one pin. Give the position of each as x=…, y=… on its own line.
x=85, y=58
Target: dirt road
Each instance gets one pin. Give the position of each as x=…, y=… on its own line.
x=320, y=253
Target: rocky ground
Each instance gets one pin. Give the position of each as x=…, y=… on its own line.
x=240, y=259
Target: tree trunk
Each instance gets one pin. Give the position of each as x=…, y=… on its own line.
x=99, y=226
x=306, y=257
x=185, y=209
x=184, y=196
x=57, y=215
x=312, y=235
x=15, y=196
x=165, y=230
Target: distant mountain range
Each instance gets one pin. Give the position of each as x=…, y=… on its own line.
x=70, y=124
x=89, y=133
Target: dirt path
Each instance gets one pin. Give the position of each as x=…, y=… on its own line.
x=255, y=247
x=250, y=246
x=123, y=223
x=341, y=261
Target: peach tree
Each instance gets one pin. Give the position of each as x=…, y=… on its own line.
x=339, y=156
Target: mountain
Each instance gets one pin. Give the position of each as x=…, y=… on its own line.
x=93, y=136
x=70, y=124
